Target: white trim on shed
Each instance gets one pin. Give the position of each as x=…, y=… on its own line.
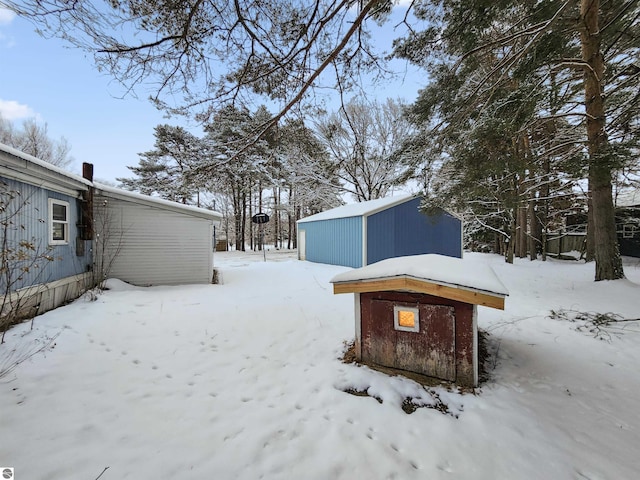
x=360, y=209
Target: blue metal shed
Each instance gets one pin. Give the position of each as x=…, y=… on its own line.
x=359, y=234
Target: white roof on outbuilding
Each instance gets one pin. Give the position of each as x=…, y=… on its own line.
x=628, y=198
x=359, y=209
x=440, y=269
x=157, y=202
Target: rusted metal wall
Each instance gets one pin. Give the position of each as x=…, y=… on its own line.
x=442, y=348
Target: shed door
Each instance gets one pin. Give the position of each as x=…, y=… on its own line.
x=430, y=351
x=302, y=245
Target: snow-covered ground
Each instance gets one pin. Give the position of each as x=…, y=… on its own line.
x=243, y=380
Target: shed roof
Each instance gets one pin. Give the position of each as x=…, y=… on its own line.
x=439, y=275
x=157, y=202
x=628, y=198
x=359, y=209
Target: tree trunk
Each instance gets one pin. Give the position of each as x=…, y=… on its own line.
x=535, y=228
x=277, y=212
x=244, y=220
x=276, y=226
x=295, y=229
x=603, y=226
x=252, y=227
x=237, y=212
x=512, y=239
x=290, y=217
x=522, y=232
x=590, y=251
x=546, y=190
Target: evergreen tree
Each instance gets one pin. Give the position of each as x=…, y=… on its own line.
x=522, y=53
x=164, y=171
x=234, y=164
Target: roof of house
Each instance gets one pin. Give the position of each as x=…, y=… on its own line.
x=23, y=167
x=448, y=277
x=26, y=168
x=359, y=209
x=156, y=202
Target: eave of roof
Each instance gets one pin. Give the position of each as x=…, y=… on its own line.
x=407, y=283
x=157, y=202
x=26, y=168
x=449, y=277
x=361, y=209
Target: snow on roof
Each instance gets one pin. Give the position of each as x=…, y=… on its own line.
x=629, y=198
x=440, y=269
x=153, y=201
x=49, y=168
x=43, y=165
x=358, y=209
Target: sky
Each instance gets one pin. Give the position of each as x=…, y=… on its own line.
x=60, y=86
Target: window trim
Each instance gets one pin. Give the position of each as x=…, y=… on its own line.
x=628, y=230
x=65, y=223
x=406, y=308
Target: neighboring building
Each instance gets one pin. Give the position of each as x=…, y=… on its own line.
x=359, y=234
x=153, y=241
x=61, y=233
x=628, y=222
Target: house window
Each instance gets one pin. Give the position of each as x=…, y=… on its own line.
x=406, y=319
x=58, y=222
x=628, y=230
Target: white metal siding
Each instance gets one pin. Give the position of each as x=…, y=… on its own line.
x=156, y=246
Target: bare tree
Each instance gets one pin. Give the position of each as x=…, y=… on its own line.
x=108, y=232
x=364, y=139
x=33, y=139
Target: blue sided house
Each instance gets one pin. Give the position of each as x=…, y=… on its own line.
x=46, y=250
x=61, y=234
x=363, y=233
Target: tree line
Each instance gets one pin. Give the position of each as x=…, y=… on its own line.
x=524, y=102
x=290, y=172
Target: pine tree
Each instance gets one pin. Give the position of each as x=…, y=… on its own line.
x=479, y=50
x=165, y=170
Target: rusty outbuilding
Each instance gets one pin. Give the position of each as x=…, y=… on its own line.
x=419, y=313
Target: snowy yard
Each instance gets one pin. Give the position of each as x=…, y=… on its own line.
x=243, y=380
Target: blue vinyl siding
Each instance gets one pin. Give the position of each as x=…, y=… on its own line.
x=336, y=242
x=31, y=224
x=404, y=230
